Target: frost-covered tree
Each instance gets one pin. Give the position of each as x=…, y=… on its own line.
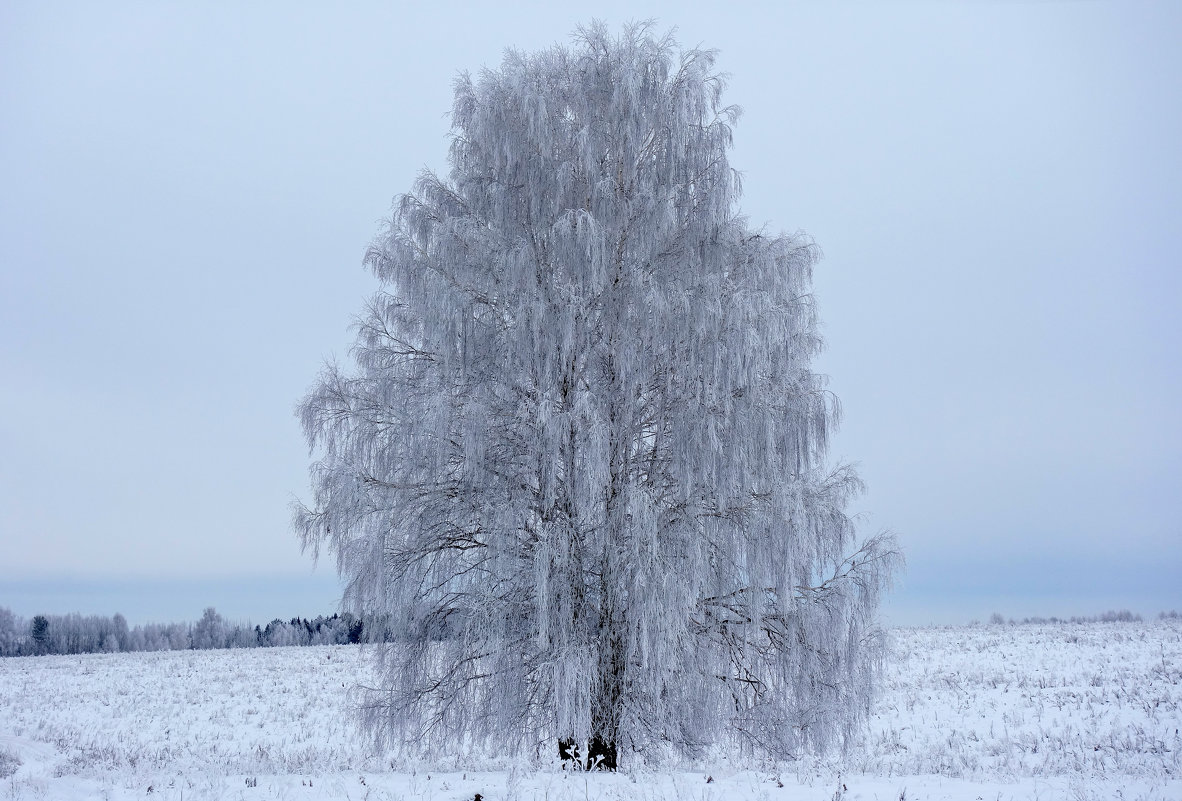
x=12, y=629
x=121, y=633
x=580, y=459
x=210, y=631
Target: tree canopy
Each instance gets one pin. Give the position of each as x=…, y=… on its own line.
x=580, y=456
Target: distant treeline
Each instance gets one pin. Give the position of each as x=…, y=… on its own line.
x=1111, y=616
x=87, y=634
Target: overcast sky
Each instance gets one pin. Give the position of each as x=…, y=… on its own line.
x=186, y=193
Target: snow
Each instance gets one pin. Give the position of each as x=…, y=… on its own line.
x=1079, y=711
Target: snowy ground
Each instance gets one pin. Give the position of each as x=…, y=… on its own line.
x=990, y=712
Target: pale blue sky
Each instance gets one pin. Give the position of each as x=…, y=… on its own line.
x=186, y=193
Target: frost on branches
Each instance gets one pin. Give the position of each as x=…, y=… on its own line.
x=579, y=463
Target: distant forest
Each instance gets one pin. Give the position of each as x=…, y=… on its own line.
x=86, y=634
x=92, y=634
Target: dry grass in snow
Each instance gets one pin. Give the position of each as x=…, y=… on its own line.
x=1077, y=712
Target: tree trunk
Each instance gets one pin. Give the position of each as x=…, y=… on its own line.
x=608, y=690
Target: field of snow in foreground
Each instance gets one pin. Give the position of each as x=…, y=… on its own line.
x=988, y=712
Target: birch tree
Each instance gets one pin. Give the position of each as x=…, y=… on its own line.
x=578, y=461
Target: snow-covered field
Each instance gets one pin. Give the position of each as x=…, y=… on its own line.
x=989, y=712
